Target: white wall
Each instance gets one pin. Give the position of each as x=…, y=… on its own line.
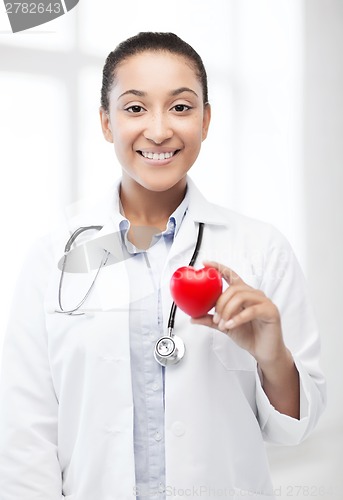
x=314, y=469
x=275, y=149
x=318, y=461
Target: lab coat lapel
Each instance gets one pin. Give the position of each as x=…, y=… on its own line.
x=113, y=280
x=182, y=248
x=199, y=210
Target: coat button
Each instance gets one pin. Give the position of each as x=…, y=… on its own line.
x=111, y=359
x=158, y=436
x=112, y=430
x=178, y=428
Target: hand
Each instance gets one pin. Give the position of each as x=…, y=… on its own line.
x=250, y=319
x=253, y=322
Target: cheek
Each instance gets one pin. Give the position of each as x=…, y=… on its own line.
x=193, y=131
x=123, y=134
x=193, y=137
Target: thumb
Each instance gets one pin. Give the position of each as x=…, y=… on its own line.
x=229, y=275
x=206, y=320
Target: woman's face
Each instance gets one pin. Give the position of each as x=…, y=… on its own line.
x=157, y=119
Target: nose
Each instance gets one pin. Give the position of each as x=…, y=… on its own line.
x=158, y=129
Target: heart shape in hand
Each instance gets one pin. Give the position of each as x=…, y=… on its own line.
x=196, y=291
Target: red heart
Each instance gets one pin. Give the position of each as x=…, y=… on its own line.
x=196, y=291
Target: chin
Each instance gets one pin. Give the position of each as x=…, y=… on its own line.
x=159, y=185
x=161, y=188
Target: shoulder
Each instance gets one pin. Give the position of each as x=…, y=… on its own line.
x=252, y=226
x=246, y=230
x=230, y=223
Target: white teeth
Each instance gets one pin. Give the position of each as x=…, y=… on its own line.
x=157, y=156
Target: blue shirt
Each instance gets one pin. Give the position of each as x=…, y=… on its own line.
x=146, y=327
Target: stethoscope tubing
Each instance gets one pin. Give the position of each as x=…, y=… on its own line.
x=169, y=349
x=67, y=248
x=173, y=308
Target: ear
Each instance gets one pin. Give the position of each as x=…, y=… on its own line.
x=206, y=120
x=105, y=124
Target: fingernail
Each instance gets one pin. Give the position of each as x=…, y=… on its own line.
x=229, y=324
x=216, y=318
x=221, y=324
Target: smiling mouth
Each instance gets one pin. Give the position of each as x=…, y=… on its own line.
x=158, y=156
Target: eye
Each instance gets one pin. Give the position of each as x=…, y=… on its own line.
x=181, y=107
x=134, y=109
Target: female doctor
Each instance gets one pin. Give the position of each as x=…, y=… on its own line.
x=87, y=412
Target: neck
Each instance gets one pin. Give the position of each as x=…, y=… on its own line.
x=143, y=207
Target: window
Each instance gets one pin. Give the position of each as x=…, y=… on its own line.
x=53, y=152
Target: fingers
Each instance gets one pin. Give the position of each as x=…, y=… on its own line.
x=235, y=315
x=264, y=311
x=246, y=307
x=240, y=303
x=228, y=274
x=238, y=307
x=235, y=299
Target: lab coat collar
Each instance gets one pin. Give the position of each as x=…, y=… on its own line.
x=107, y=214
x=201, y=210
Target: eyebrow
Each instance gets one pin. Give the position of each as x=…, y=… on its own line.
x=139, y=93
x=173, y=93
x=181, y=90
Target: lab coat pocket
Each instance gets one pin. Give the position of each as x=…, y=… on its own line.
x=242, y=494
x=230, y=355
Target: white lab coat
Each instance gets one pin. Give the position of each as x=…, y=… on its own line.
x=66, y=419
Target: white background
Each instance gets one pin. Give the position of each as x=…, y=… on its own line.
x=275, y=151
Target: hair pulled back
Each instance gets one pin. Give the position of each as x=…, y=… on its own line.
x=150, y=41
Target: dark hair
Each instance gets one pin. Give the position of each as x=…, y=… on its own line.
x=149, y=41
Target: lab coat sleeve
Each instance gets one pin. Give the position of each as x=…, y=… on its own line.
x=283, y=282
x=29, y=466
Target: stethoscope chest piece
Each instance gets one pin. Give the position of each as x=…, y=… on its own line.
x=169, y=350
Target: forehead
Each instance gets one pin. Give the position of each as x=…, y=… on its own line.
x=156, y=70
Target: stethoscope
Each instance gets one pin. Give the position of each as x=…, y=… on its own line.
x=169, y=349
x=67, y=248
